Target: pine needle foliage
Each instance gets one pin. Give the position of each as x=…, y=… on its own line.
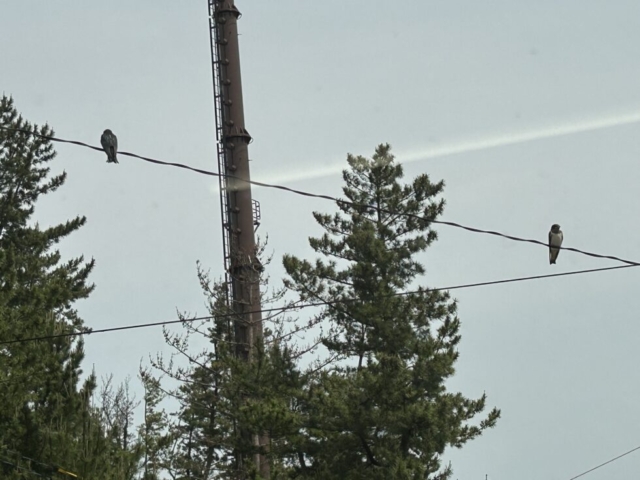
x=383, y=411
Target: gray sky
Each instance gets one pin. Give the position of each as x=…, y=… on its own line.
x=536, y=104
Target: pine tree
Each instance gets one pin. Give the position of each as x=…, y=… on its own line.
x=153, y=431
x=47, y=413
x=221, y=395
x=383, y=411
x=37, y=292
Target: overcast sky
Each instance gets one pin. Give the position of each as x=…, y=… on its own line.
x=530, y=112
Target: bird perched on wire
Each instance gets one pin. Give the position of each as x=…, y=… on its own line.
x=555, y=240
x=110, y=144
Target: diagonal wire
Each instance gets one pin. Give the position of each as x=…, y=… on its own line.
x=325, y=197
x=307, y=305
x=605, y=463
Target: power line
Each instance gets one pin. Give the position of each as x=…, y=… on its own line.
x=326, y=197
x=307, y=305
x=605, y=463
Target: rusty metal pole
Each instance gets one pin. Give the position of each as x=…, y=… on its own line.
x=243, y=266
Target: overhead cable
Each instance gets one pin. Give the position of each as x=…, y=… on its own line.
x=326, y=197
x=305, y=305
x=605, y=463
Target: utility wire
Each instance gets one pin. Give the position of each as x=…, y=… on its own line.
x=605, y=463
x=326, y=197
x=307, y=305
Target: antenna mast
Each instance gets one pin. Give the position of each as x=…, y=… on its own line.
x=240, y=213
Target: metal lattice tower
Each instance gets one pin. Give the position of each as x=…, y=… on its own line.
x=221, y=154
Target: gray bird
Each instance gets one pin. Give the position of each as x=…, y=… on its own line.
x=110, y=144
x=555, y=240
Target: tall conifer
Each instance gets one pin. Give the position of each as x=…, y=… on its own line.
x=46, y=411
x=384, y=411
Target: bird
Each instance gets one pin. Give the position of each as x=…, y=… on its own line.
x=555, y=240
x=110, y=144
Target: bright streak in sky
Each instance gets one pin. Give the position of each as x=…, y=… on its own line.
x=473, y=145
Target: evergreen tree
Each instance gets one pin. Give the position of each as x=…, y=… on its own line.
x=47, y=413
x=383, y=411
x=122, y=449
x=221, y=395
x=153, y=431
x=37, y=292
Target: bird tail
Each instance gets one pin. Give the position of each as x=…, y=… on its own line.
x=112, y=156
x=553, y=255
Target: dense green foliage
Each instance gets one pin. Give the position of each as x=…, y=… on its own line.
x=224, y=401
x=383, y=411
x=47, y=413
